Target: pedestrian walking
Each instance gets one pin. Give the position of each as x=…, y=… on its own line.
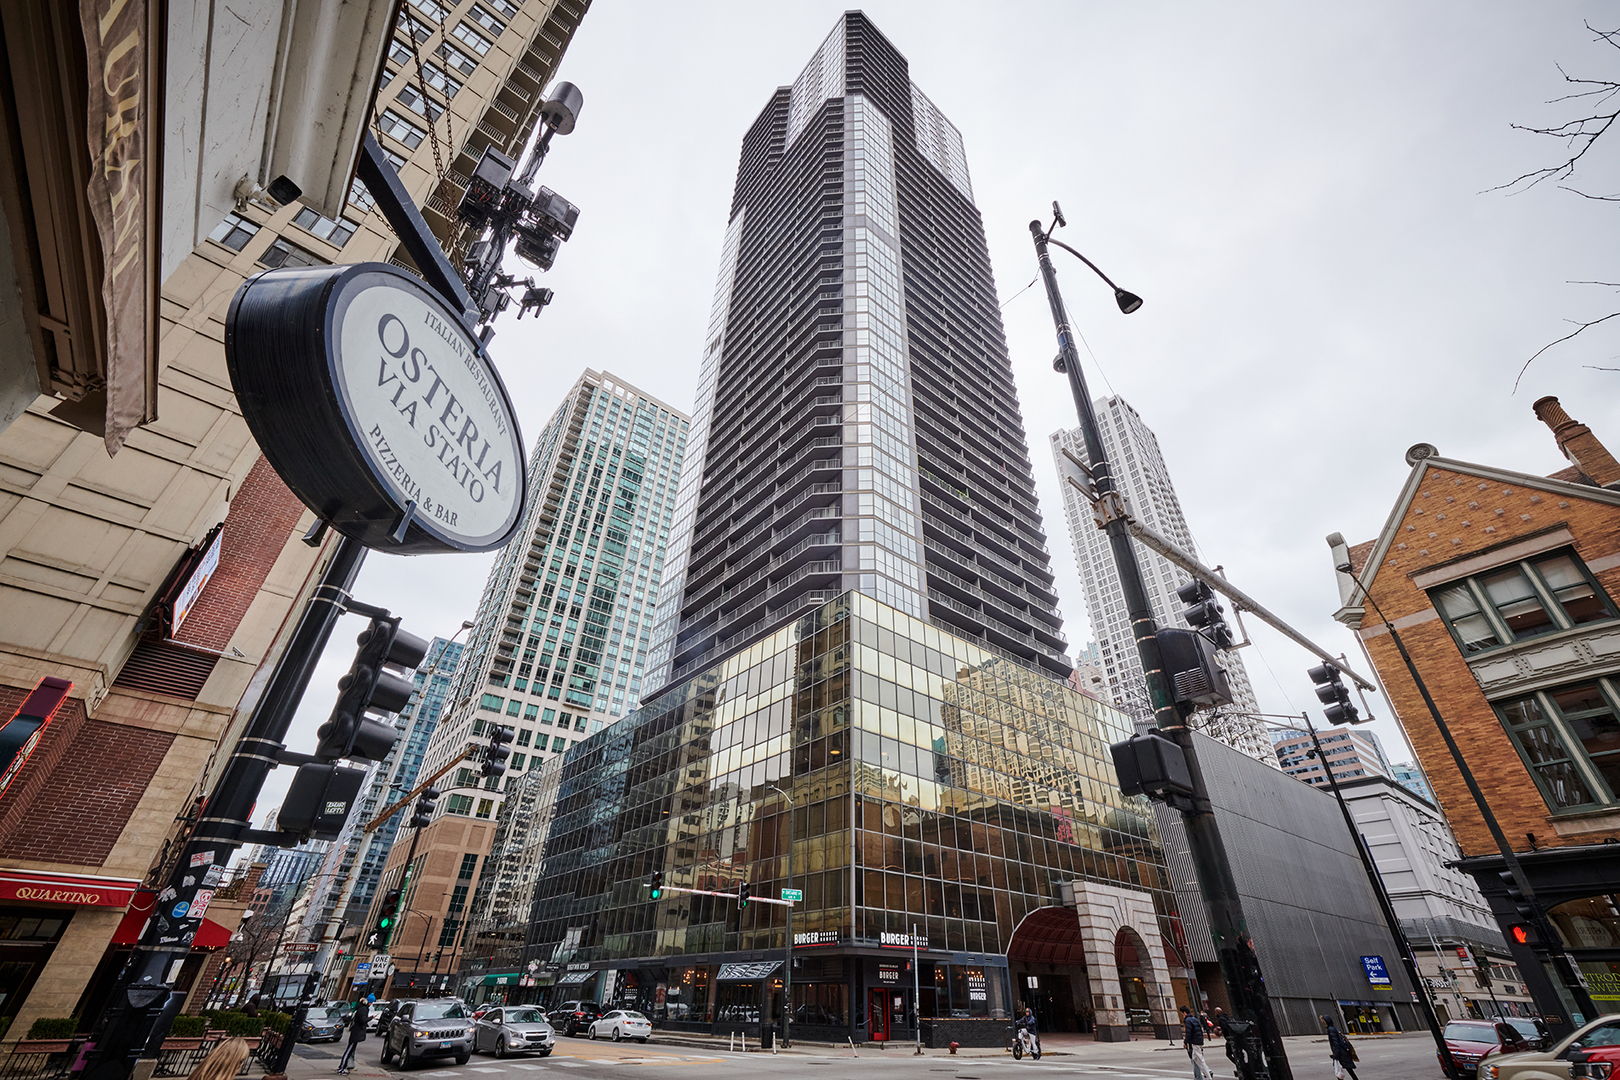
x=357, y=1033
x=1192, y=1033
x=1341, y=1051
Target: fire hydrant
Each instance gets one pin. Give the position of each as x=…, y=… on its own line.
x=954, y=1045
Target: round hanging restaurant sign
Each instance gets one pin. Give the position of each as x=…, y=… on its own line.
x=377, y=407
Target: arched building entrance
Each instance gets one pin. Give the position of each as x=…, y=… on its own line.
x=1070, y=965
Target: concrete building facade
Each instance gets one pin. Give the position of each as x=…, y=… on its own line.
x=1141, y=474
x=1443, y=914
x=101, y=556
x=1352, y=752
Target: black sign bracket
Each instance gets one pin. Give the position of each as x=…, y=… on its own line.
x=380, y=179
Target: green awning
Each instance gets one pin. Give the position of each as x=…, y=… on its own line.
x=509, y=979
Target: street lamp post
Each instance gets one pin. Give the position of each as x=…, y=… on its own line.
x=1240, y=966
x=787, y=950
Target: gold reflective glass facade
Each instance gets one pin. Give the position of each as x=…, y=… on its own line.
x=932, y=784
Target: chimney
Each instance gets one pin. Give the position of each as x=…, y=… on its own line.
x=1578, y=444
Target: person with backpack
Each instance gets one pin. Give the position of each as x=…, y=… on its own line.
x=1339, y=1049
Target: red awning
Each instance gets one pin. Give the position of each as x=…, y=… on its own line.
x=134, y=920
x=211, y=935
x=82, y=890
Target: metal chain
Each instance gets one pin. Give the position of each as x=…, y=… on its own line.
x=421, y=84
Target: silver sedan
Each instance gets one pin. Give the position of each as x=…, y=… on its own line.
x=513, y=1029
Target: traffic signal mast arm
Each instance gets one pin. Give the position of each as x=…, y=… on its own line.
x=472, y=753
x=1076, y=474
x=752, y=899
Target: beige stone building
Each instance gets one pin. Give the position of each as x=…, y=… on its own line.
x=162, y=580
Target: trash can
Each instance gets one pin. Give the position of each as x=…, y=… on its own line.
x=767, y=1036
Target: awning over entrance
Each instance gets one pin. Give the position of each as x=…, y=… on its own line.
x=575, y=978
x=82, y=890
x=509, y=979
x=1049, y=935
x=762, y=969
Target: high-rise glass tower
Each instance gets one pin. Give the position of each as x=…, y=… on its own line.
x=856, y=424
x=1133, y=453
x=560, y=641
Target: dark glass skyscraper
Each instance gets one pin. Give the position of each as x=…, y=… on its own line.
x=857, y=426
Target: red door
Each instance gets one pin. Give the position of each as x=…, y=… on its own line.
x=877, y=1014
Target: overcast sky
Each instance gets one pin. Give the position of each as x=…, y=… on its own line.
x=1299, y=192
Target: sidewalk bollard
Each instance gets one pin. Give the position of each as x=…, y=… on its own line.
x=731, y=1043
x=852, y=1051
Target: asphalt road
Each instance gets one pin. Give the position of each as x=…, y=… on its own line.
x=1406, y=1057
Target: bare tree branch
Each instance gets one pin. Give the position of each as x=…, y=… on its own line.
x=1578, y=134
x=1594, y=367
x=1566, y=337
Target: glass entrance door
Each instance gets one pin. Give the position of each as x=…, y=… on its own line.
x=877, y=1015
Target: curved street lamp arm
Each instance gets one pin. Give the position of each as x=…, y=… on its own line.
x=1082, y=258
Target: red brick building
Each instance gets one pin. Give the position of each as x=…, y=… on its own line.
x=1504, y=588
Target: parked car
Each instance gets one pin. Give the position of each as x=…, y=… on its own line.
x=1531, y=1030
x=512, y=1029
x=622, y=1024
x=323, y=1023
x=440, y=1027
x=1471, y=1041
x=1592, y=1046
x=572, y=1017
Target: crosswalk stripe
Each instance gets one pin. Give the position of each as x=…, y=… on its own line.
x=522, y=1065
x=484, y=1068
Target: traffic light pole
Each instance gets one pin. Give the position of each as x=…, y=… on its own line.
x=1240, y=965
x=1385, y=907
x=1547, y=950
x=144, y=985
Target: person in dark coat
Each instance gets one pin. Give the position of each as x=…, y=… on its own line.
x=357, y=1033
x=1340, y=1050
x=1192, y=1033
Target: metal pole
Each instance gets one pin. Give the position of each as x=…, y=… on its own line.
x=787, y=948
x=1559, y=959
x=1376, y=880
x=916, y=989
x=1240, y=965
x=148, y=976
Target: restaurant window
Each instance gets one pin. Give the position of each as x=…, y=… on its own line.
x=1520, y=601
x=1569, y=738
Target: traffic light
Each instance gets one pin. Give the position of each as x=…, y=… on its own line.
x=425, y=806
x=1204, y=613
x=655, y=884
x=742, y=895
x=496, y=753
x=387, y=915
x=1522, y=904
x=1331, y=692
x=369, y=687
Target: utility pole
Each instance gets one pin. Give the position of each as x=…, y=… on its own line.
x=1240, y=965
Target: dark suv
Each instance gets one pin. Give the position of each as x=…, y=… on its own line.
x=437, y=1027
x=572, y=1017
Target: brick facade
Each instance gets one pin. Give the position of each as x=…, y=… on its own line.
x=1455, y=515
x=262, y=515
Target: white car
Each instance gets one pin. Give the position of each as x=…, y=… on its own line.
x=622, y=1024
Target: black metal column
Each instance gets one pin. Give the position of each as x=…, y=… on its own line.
x=144, y=984
x=1240, y=966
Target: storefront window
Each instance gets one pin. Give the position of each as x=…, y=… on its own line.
x=821, y=1003
x=1592, y=922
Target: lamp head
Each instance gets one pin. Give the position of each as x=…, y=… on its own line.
x=1343, y=568
x=560, y=111
x=1057, y=214
x=1127, y=301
